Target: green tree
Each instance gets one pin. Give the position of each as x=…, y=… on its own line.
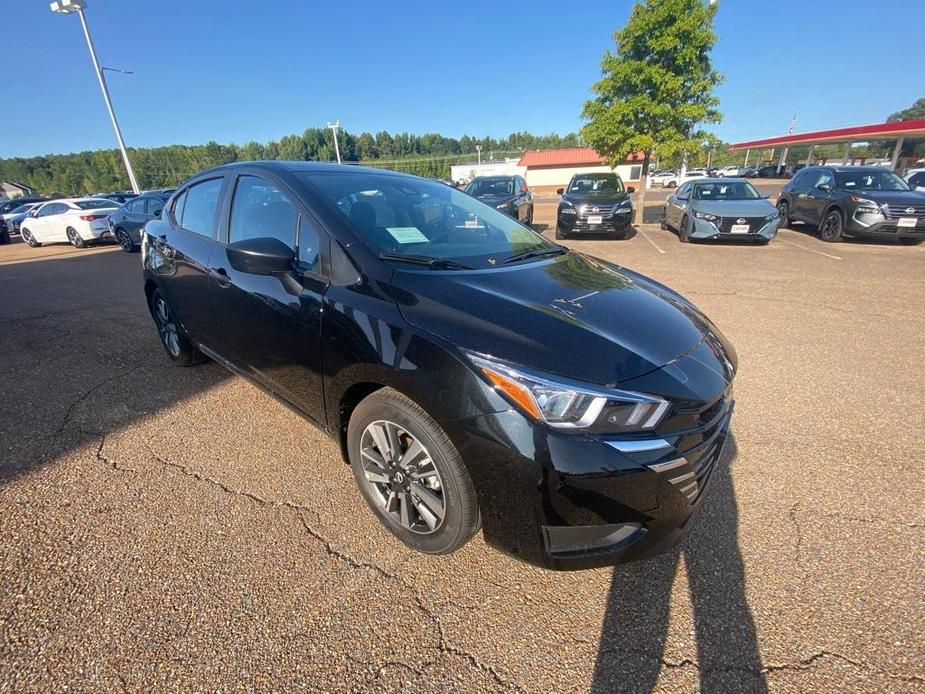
x=656, y=86
x=914, y=112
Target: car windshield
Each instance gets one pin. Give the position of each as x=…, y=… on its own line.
x=490, y=186
x=739, y=190
x=595, y=184
x=417, y=217
x=869, y=180
x=24, y=208
x=93, y=204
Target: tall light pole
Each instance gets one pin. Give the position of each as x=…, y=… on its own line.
x=334, y=126
x=478, y=148
x=78, y=7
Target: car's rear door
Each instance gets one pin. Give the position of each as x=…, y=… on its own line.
x=182, y=250
x=271, y=325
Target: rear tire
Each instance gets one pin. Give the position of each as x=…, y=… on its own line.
x=560, y=234
x=125, y=240
x=530, y=217
x=425, y=498
x=663, y=222
x=75, y=238
x=4, y=237
x=173, y=338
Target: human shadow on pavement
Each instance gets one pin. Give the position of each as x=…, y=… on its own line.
x=631, y=653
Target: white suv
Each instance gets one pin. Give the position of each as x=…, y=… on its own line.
x=74, y=220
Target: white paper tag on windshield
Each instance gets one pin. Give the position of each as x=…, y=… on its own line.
x=407, y=234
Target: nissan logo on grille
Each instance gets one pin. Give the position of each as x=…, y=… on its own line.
x=741, y=220
x=595, y=209
x=910, y=210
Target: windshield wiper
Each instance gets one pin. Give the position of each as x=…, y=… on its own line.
x=427, y=260
x=535, y=253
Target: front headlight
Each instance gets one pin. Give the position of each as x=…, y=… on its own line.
x=708, y=217
x=771, y=217
x=568, y=405
x=504, y=205
x=866, y=206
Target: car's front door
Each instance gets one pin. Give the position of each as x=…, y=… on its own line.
x=677, y=205
x=818, y=196
x=39, y=222
x=271, y=325
x=55, y=223
x=182, y=251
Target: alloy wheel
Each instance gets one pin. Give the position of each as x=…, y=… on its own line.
x=123, y=238
x=831, y=227
x=74, y=238
x=167, y=327
x=402, y=477
x=28, y=238
x=783, y=212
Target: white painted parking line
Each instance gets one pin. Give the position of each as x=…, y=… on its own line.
x=811, y=250
x=646, y=237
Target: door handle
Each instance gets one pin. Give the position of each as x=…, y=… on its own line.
x=220, y=275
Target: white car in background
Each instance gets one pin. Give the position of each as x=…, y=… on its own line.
x=71, y=220
x=661, y=178
x=732, y=171
x=679, y=180
x=916, y=178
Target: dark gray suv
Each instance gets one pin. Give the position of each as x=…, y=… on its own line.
x=845, y=201
x=127, y=221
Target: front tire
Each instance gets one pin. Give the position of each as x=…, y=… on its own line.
x=410, y=474
x=833, y=224
x=783, y=209
x=174, y=340
x=75, y=238
x=684, y=235
x=530, y=217
x=125, y=240
x=560, y=234
x=29, y=238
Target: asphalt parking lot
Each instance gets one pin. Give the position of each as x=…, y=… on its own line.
x=173, y=528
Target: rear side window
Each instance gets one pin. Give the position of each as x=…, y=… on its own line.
x=199, y=205
x=917, y=179
x=261, y=210
x=155, y=205
x=177, y=209
x=137, y=206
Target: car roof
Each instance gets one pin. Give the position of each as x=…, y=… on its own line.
x=499, y=177
x=723, y=179
x=849, y=169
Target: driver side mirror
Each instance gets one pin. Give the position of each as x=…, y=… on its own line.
x=631, y=189
x=560, y=191
x=261, y=256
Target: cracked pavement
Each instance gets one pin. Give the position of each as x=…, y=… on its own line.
x=176, y=529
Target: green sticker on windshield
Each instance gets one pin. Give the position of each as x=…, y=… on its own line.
x=407, y=234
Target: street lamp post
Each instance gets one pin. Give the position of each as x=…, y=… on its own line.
x=334, y=126
x=478, y=148
x=78, y=7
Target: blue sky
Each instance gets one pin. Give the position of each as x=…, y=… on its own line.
x=240, y=70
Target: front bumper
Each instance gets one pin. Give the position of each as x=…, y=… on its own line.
x=568, y=502
x=704, y=229
x=876, y=226
x=617, y=223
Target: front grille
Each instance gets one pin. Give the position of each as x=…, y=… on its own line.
x=897, y=211
x=754, y=224
x=702, y=446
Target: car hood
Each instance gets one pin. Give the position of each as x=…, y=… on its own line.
x=892, y=198
x=600, y=200
x=572, y=315
x=734, y=208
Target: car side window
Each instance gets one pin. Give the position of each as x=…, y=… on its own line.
x=176, y=209
x=917, y=179
x=155, y=205
x=824, y=178
x=684, y=191
x=200, y=205
x=137, y=206
x=309, y=245
x=259, y=209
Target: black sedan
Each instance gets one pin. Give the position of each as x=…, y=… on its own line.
x=472, y=372
x=127, y=221
x=507, y=194
x=594, y=203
